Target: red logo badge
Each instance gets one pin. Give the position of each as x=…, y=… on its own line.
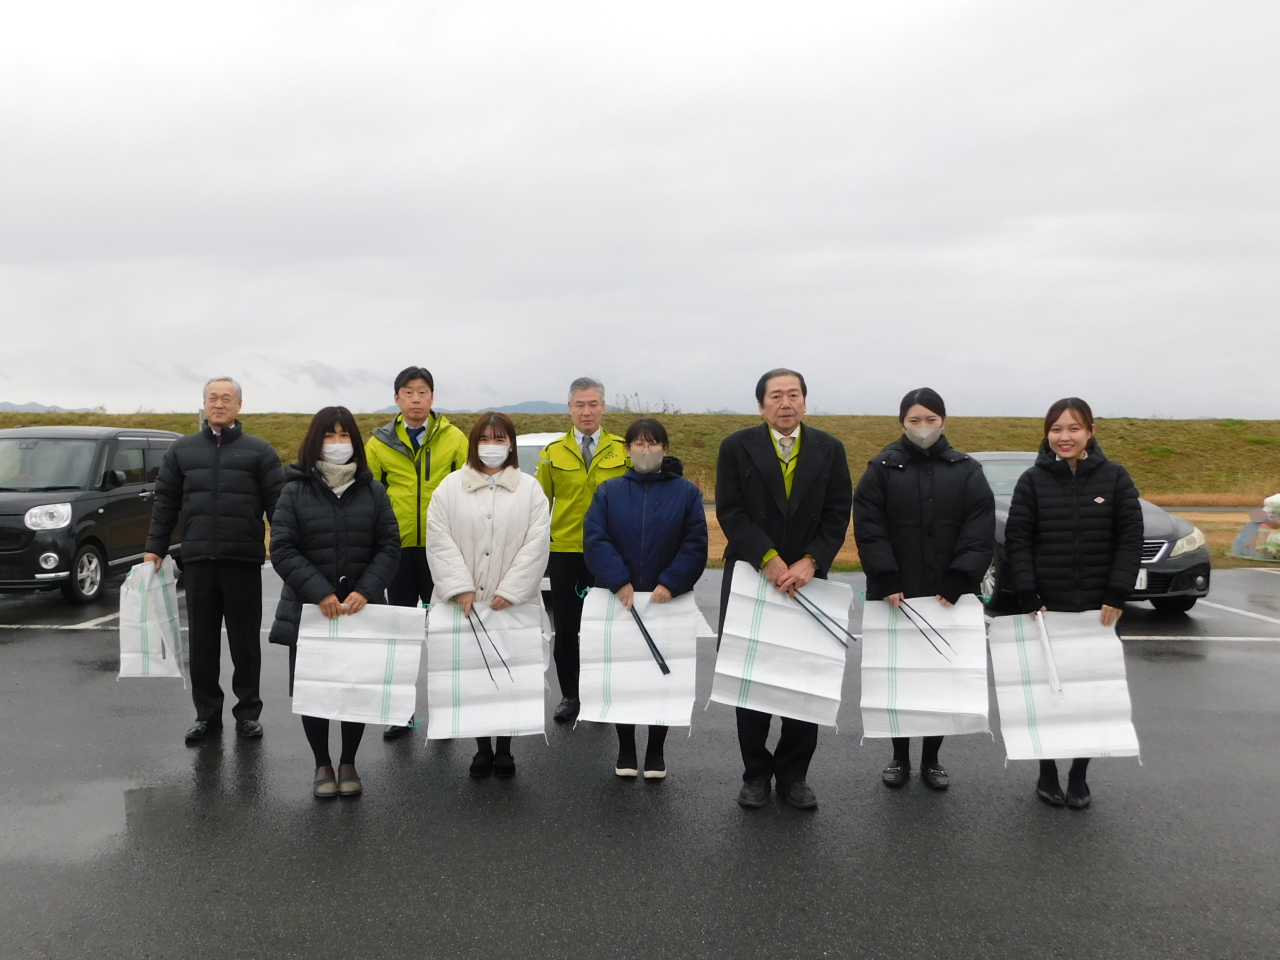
x=1099, y=499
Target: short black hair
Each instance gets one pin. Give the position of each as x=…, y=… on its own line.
x=927, y=398
x=763, y=384
x=647, y=428
x=324, y=421
x=415, y=373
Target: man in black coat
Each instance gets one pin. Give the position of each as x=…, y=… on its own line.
x=783, y=497
x=222, y=481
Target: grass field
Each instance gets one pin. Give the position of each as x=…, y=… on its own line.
x=1176, y=463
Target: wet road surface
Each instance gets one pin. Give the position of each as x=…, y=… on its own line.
x=116, y=840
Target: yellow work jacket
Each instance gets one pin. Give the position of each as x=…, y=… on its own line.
x=569, y=485
x=411, y=476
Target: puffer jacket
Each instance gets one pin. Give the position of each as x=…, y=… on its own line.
x=490, y=538
x=410, y=475
x=924, y=522
x=322, y=543
x=647, y=529
x=222, y=484
x=1074, y=541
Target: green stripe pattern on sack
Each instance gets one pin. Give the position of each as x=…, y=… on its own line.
x=171, y=614
x=146, y=634
x=608, y=656
x=1020, y=641
x=753, y=642
x=895, y=725
x=387, y=675
x=457, y=668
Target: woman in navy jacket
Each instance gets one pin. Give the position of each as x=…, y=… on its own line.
x=646, y=531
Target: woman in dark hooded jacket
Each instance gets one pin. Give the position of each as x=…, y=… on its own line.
x=924, y=522
x=646, y=531
x=335, y=542
x=1074, y=542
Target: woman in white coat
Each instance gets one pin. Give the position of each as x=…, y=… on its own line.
x=488, y=539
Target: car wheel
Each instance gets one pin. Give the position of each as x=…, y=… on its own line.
x=1174, y=604
x=88, y=574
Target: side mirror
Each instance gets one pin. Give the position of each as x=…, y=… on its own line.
x=114, y=478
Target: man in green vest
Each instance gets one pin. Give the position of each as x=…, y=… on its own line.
x=569, y=470
x=410, y=456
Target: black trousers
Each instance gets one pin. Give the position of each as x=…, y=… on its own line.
x=570, y=580
x=789, y=761
x=412, y=584
x=230, y=592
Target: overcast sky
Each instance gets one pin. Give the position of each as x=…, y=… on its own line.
x=1007, y=201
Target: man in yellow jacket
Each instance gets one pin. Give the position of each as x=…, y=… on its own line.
x=569, y=470
x=410, y=456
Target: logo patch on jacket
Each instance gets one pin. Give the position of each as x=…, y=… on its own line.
x=1099, y=499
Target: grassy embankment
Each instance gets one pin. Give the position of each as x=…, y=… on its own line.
x=1176, y=463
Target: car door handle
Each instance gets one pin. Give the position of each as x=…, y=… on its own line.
x=145, y=494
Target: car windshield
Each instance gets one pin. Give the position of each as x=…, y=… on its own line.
x=29, y=463
x=1003, y=474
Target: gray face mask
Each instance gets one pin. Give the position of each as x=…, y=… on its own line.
x=647, y=461
x=924, y=437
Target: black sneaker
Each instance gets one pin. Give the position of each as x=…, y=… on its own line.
x=567, y=712
x=504, y=765
x=799, y=794
x=655, y=767
x=626, y=765
x=896, y=774
x=482, y=764
x=754, y=793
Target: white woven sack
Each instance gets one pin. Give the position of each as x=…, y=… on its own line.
x=1090, y=717
x=774, y=656
x=150, y=637
x=361, y=667
x=918, y=683
x=619, y=679
x=470, y=692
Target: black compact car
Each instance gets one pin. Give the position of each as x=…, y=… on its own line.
x=1175, y=559
x=75, y=505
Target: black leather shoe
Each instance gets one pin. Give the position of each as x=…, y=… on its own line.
x=395, y=733
x=567, y=712
x=799, y=795
x=935, y=778
x=504, y=765
x=482, y=764
x=202, y=730
x=248, y=730
x=1050, y=792
x=1078, y=797
x=754, y=793
x=896, y=774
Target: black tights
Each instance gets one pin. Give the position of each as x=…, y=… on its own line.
x=486, y=745
x=627, y=741
x=317, y=731
x=1049, y=770
x=928, y=752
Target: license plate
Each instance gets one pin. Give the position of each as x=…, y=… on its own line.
x=1142, y=580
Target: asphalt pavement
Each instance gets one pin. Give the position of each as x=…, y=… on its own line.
x=117, y=840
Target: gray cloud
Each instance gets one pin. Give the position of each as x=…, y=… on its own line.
x=1009, y=202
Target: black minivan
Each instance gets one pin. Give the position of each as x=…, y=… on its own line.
x=75, y=505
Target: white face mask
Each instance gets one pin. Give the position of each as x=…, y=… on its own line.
x=647, y=461
x=493, y=454
x=336, y=453
x=924, y=437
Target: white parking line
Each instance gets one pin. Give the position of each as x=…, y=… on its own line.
x=1271, y=570
x=1243, y=613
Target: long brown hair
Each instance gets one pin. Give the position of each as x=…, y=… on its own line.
x=322, y=423
x=1077, y=406
x=500, y=423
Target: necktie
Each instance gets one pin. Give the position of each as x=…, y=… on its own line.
x=416, y=435
x=785, y=444
x=587, y=445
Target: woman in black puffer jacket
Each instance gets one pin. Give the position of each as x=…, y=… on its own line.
x=335, y=542
x=1073, y=542
x=924, y=521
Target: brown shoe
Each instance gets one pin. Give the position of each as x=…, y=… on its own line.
x=324, y=787
x=349, y=784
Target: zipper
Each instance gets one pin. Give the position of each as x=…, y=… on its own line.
x=217, y=461
x=1075, y=513
x=644, y=519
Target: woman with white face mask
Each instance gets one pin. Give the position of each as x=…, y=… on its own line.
x=488, y=539
x=646, y=531
x=335, y=542
x=924, y=522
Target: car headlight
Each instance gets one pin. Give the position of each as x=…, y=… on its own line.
x=1192, y=541
x=49, y=516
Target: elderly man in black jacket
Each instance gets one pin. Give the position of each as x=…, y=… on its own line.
x=222, y=481
x=783, y=497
